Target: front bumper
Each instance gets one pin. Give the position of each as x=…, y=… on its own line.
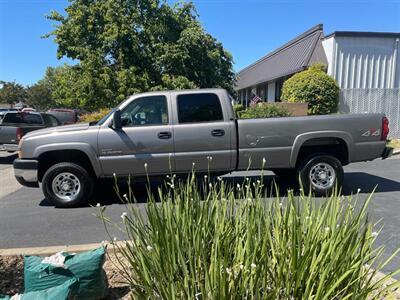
x=387, y=152
x=9, y=147
x=25, y=171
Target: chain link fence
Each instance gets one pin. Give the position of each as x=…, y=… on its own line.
x=373, y=100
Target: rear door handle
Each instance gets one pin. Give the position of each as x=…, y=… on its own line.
x=218, y=132
x=165, y=135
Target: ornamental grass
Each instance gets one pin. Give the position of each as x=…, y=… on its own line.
x=209, y=239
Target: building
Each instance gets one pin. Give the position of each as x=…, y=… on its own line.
x=265, y=77
x=366, y=66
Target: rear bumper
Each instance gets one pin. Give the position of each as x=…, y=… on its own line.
x=25, y=171
x=387, y=152
x=9, y=147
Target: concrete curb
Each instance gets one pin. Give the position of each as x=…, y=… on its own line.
x=40, y=251
x=396, y=152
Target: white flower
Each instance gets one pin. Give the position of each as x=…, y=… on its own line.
x=280, y=204
x=114, y=174
x=358, y=190
x=210, y=185
x=149, y=248
x=253, y=266
x=228, y=271
x=145, y=165
x=374, y=234
x=327, y=229
x=114, y=239
x=241, y=267
x=205, y=177
x=105, y=242
x=264, y=160
x=219, y=178
x=193, y=164
x=258, y=181
x=247, y=178
x=171, y=185
x=238, y=186
x=124, y=215
x=125, y=196
x=98, y=205
x=209, y=158
x=307, y=218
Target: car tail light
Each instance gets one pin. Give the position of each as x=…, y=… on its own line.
x=385, y=128
x=19, y=134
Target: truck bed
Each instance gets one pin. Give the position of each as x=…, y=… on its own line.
x=278, y=140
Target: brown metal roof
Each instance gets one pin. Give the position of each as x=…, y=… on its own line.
x=292, y=57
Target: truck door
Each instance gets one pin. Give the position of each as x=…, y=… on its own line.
x=202, y=133
x=144, y=144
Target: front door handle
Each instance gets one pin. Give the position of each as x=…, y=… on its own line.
x=165, y=135
x=218, y=132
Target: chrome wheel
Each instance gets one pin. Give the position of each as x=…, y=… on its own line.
x=322, y=176
x=66, y=186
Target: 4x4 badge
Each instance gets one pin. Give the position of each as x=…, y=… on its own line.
x=372, y=132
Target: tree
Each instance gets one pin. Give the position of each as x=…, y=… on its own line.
x=315, y=87
x=130, y=46
x=11, y=92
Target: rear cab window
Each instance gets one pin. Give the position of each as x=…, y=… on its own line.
x=198, y=108
x=23, y=118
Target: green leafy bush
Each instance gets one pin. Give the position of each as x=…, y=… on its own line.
x=94, y=116
x=315, y=87
x=218, y=241
x=263, y=111
x=238, y=108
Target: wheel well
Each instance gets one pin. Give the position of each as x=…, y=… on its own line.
x=48, y=159
x=333, y=146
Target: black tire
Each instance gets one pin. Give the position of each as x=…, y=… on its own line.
x=308, y=174
x=78, y=175
x=285, y=173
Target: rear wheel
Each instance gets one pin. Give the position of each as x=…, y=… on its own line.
x=67, y=185
x=320, y=174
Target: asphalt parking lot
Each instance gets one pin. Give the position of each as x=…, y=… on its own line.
x=28, y=220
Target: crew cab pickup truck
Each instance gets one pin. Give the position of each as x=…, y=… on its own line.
x=14, y=124
x=159, y=132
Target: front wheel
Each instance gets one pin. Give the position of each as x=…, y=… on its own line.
x=67, y=185
x=321, y=174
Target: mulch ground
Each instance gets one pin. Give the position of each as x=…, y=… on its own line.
x=12, y=278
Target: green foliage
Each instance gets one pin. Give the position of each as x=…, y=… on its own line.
x=124, y=47
x=39, y=96
x=263, y=111
x=12, y=92
x=94, y=116
x=315, y=87
x=217, y=241
x=238, y=108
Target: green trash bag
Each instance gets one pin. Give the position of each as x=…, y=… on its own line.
x=65, y=291
x=86, y=267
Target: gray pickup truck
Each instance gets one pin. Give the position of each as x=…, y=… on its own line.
x=159, y=132
x=14, y=125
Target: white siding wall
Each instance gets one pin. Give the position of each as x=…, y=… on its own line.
x=364, y=62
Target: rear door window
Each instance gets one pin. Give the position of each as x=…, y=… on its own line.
x=50, y=120
x=202, y=107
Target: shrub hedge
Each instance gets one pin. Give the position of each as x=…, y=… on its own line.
x=263, y=110
x=315, y=87
x=94, y=116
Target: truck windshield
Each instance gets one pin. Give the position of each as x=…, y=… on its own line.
x=102, y=120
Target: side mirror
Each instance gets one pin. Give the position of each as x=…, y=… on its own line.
x=116, y=122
